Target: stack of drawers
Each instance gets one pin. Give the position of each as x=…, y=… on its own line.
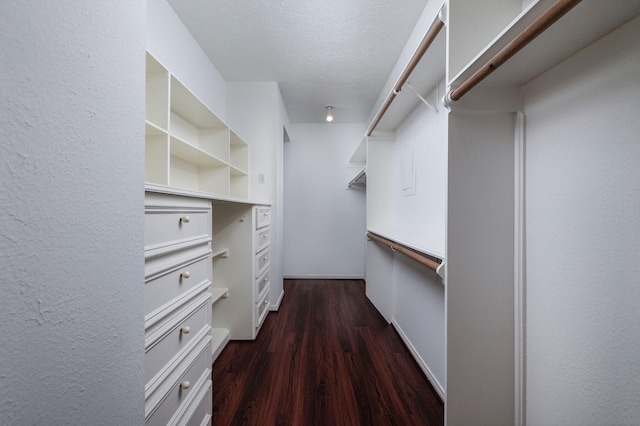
x=177, y=302
x=262, y=250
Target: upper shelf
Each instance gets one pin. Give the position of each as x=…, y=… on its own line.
x=582, y=25
x=424, y=78
x=187, y=145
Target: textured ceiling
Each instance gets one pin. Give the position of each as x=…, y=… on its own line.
x=337, y=52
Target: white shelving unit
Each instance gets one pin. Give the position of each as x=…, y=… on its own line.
x=242, y=231
x=358, y=161
x=186, y=145
x=487, y=130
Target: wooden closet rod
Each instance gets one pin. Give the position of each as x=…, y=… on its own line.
x=433, y=31
x=405, y=250
x=537, y=27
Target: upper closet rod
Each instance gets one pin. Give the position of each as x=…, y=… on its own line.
x=405, y=250
x=434, y=29
x=537, y=27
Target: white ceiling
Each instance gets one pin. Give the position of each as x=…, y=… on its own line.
x=321, y=52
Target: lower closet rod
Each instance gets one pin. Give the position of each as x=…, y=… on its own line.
x=537, y=27
x=405, y=250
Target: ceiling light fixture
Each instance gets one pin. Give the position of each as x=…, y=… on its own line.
x=329, y=113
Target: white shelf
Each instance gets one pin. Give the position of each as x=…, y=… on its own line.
x=186, y=145
x=360, y=154
x=359, y=178
x=224, y=252
x=218, y=293
x=585, y=23
x=219, y=339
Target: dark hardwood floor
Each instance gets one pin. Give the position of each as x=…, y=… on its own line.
x=326, y=357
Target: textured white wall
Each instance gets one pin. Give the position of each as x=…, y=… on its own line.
x=71, y=216
x=169, y=41
x=255, y=110
x=583, y=237
x=324, y=222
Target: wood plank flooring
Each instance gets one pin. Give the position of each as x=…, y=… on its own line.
x=326, y=357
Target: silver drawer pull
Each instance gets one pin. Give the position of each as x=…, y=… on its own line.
x=265, y=236
x=265, y=258
x=185, y=274
x=185, y=385
x=265, y=279
x=266, y=302
x=265, y=214
x=185, y=219
x=185, y=330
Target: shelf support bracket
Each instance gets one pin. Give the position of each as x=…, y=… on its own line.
x=427, y=103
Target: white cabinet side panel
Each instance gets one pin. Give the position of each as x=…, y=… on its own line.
x=480, y=270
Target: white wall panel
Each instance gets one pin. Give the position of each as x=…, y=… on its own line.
x=583, y=236
x=324, y=222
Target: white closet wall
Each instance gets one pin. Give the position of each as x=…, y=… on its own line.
x=71, y=212
x=583, y=233
x=169, y=41
x=324, y=220
x=256, y=110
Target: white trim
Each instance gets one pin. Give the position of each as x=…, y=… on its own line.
x=323, y=277
x=163, y=189
x=519, y=271
x=164, y=311
x=192, y=402
x=276, y=306
x=219, y=339
x=152, y=339
x=175, y=264
x=423, y=365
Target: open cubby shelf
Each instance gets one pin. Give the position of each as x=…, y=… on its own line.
x=186, y=145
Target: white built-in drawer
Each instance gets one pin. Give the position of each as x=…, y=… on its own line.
x=263, y=238
x=199, y=414
x=263, y=216
x=181, y=388
x=173, y=337
x=262, y=309
x=262, y=261
x=262, y=282
x=171, y=220
x=167, y=277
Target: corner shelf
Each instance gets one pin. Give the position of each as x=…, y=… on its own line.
x=360, y=178
x=186, y=145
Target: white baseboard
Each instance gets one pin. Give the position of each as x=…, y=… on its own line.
x=277, y=305
x=425, y=368
x=323, y=277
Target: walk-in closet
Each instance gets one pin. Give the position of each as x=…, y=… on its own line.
x=316, y=212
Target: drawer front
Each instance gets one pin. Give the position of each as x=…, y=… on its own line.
x=175, y=339
x=167, y=226
x=262, y=261
x=263, y=216
x=180, y=390
x=262, y=282
x=262, y=309
x=202, y=414
x=172, y=275
x=263, y=238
